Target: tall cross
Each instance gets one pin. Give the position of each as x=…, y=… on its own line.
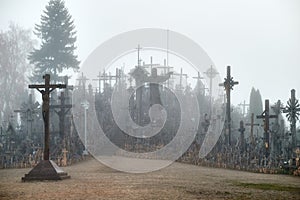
x=293, y=111
x=252, y=124
x=211, y=74
x=228, y=85
x=45, y=90
x=64, y=109
x=266, y=117
x=244, y=105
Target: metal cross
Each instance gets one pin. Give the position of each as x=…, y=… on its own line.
x=292, y=111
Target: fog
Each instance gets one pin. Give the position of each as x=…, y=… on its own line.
x=260, y=40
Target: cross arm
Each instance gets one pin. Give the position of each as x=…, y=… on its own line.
x=53, y=86
x=273, y=116
x=249, y=124
x=60, y=106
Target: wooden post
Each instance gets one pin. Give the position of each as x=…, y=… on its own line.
x=266, y=117
x=242, y=137
x=252, y=124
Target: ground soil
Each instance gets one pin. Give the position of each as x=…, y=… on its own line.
x=92, y=180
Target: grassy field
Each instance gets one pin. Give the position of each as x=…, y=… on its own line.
x=92, y=180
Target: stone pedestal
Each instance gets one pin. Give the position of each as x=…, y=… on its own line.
x=45, y=170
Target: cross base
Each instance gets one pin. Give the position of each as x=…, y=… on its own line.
x=45, y=170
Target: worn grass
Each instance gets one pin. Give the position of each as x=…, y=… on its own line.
x=268, y=186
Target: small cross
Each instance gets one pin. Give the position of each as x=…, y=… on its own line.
x=244, y=105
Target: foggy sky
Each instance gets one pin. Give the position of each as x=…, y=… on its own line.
x=259, y=39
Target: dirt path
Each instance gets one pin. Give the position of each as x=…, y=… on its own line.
x=92, y=180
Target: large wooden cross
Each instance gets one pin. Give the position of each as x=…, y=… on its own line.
x=266, y=117
x=64, y=109
x=45, y=90
x=228, y=85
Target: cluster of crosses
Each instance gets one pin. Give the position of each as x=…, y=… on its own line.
x=48, y=170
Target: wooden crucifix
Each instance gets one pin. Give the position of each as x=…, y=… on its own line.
x=64, y=109
x=45, y=90
x=228, y=85
x=252, y=124
x=266, y=118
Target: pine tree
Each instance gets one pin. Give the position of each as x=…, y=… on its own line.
x=57, y=35
x=256, y=105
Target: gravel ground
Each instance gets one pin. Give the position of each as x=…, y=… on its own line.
x=92, y=180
